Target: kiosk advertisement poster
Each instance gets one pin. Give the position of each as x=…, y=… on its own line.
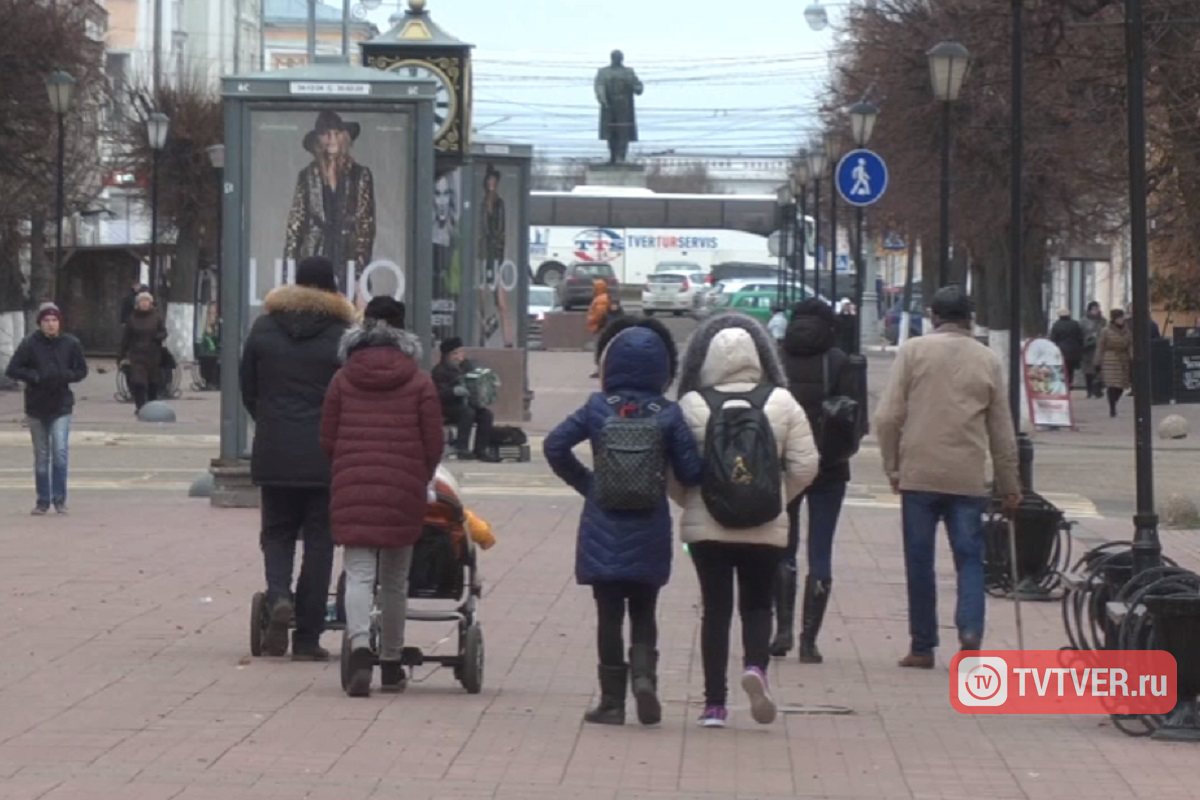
x=331, y=183
x=496, y=244
x=447, y=252
x=1046, y=387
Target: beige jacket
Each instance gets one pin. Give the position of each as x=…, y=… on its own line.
x=945, y=409
x=732, y=365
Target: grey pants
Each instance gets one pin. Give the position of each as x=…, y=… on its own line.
x=359, y=563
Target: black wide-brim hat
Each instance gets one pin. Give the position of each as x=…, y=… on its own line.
x=330, y=121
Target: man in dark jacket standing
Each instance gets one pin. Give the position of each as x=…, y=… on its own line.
x=48, y=362
x=457, y=408
x=1068, y=335
x=288, y=360
x=817, y=370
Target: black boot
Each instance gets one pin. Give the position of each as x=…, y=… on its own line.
x=643, y=672
x=785, y=610
x=816, y=599
x=611, y=709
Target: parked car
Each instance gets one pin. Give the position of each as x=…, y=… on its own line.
x=891, y=320
x=542, y=299
x=679, y=266
x=732, y=286
x=757, y=303
x=575, y=290
x=676, y=291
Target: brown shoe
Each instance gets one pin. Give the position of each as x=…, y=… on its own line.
x=917, y=661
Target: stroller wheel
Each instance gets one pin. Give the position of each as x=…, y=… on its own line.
x=471, y=675
x=258, y=621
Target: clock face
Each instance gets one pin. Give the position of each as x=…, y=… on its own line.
x=445, y=103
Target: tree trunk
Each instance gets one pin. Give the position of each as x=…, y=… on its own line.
x=181, y=306
x=43, y=283
x=12, y=300
x=979, y=293
x=1033, y=305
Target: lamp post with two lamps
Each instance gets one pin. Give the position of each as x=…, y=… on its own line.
x=816, y=167
x=784, y=199
x=157, y=125
x=801, y=175
x=60, y=86
x=835, y=146
x=948, y=64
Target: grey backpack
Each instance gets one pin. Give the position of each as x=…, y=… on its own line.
x=631, y=459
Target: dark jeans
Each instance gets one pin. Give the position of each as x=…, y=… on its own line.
x=1114, y=397
x=716, y=564
x=467, y=417
x=963, y=518
x=612, y=598
x=291, y=514
x=824, y=508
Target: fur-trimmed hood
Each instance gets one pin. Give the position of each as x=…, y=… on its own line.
x=304, y=312
x=379, y=357
x=730, y=348
x=374, y=333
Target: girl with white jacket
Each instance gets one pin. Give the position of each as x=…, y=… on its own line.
x=733, y=353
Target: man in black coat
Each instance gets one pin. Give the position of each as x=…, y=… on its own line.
x=1068, y=335
x=48, y=362
x=457, y=408
x=817, y=370
x=288, y=361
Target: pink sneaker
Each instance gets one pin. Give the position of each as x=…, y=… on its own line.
x=713, y=717
x=762, y=706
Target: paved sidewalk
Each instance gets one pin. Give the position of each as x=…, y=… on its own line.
x=126, y=676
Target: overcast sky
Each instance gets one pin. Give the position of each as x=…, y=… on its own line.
x=720, y=77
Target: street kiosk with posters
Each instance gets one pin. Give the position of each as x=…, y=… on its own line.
x=281, y=128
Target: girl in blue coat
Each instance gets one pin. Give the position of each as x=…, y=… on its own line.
x=625, y=556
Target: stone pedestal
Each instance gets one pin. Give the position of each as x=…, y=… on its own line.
x=232, y=487
x=619, y=175
x=565, y=330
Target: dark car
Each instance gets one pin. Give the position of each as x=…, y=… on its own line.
x=575, y=290
x=891, y=320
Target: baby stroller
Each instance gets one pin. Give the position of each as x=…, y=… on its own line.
x=443, y=569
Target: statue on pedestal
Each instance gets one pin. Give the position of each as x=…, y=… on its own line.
x=616, y=86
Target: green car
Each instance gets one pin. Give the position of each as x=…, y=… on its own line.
x=757, y=304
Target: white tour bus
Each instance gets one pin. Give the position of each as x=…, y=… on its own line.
x=635, y=229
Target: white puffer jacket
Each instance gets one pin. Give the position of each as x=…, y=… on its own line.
x=732, y=364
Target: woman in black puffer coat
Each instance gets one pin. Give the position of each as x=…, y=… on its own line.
x=816, y=369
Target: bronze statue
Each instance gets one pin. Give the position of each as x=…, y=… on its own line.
x=616, y=86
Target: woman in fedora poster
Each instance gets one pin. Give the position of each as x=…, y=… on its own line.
x=333, y=208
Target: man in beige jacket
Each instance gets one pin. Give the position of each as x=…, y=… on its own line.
x=944, y=411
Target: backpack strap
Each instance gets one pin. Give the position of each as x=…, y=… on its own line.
x=756, y=397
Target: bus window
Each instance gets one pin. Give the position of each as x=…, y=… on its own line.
x=541, y=210
x=584, y=212
x=760, y=218
x=688, y=213
x=639, y=213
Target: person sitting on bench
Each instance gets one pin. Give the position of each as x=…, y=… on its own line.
x=458, y=408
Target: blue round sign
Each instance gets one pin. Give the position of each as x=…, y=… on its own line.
x=862, y=177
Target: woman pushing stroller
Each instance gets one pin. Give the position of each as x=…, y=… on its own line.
x=381, y=428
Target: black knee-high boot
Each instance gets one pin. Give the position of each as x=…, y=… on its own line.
x=785, y=610
x=816, y=600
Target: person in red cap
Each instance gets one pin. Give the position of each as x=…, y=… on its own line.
x=48, y=362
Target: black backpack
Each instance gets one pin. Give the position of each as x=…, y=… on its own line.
x=839, y=428
x=631, y=459
x=742, y=482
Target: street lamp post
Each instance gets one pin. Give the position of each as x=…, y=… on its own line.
x=216, y=156
x=800, y=179
x=783, y=198
x=948, y=63
x=60, y=85
x=1147, y=550
x=156, y=133
x=1017, y=245
x=835, y=147
x=862, y=124
x=816, y=168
